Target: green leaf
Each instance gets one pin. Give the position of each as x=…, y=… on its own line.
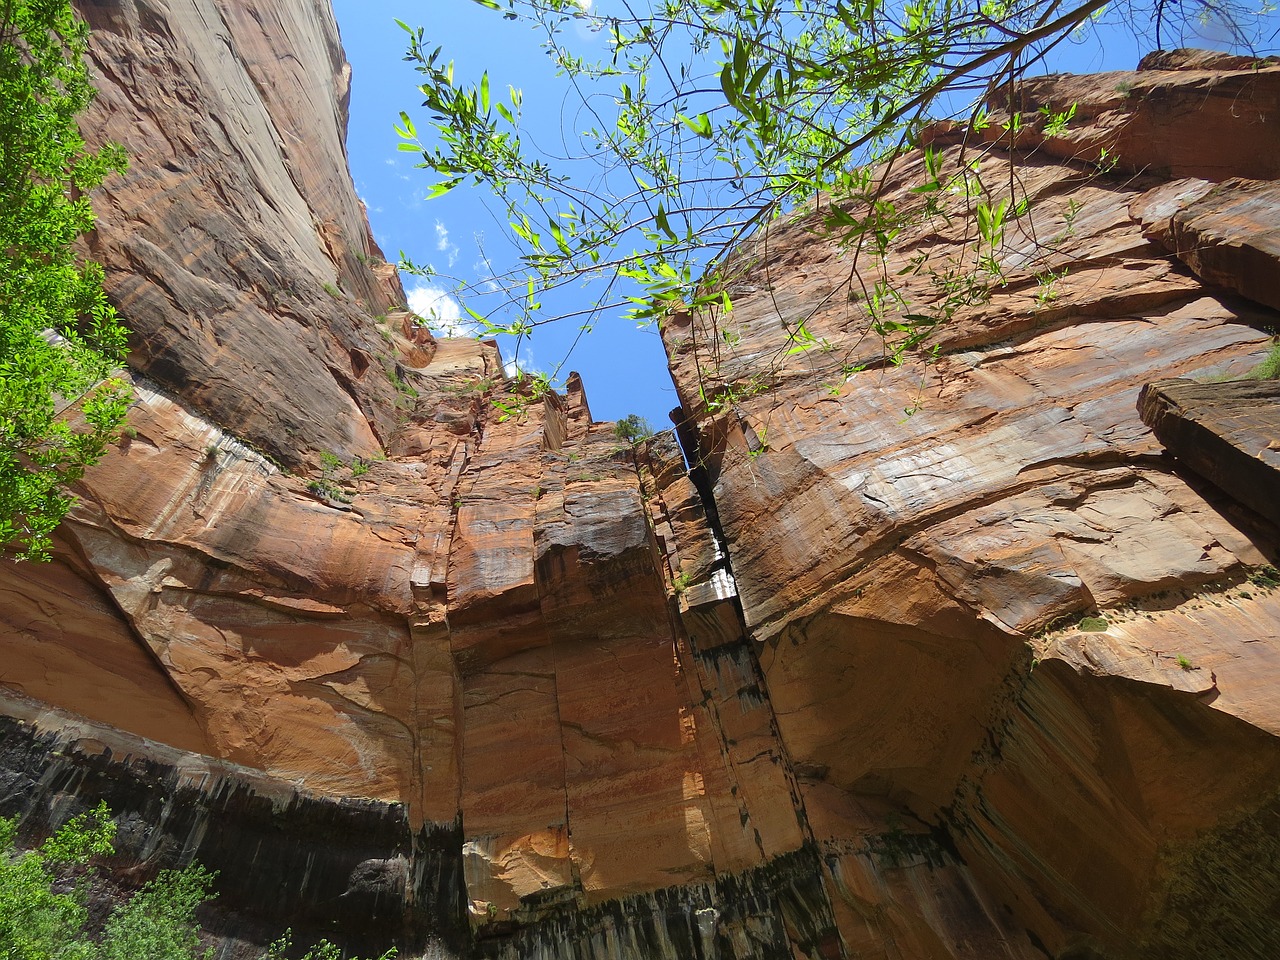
x=728, y=86
x=701, y=125
x=56, y=418
x=739, y=57
x=558, y=235
x=661, y=219
x=440, y=189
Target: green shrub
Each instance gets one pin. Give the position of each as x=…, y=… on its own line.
x=35, y=922
x=38, y=923
x=1269, y=368
x=59, y=404
x=159, y=922
x=633, y=428
x=329, y=490
x=324, y=950
x=1265, y=576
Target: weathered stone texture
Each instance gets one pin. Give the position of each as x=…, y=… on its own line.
x=342, y=868
x=897, y=534
x=831, y=692
x=1229, y=433
x=235, y=247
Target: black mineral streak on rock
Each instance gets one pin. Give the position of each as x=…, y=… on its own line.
x=350, y=870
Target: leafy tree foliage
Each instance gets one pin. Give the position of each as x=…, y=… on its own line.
x=706, y=119
x=159, y=921
x=41, y=919
x=324, y=950
x=633, y=428
x=39, y=922
x=35, y=922
x=59, y=338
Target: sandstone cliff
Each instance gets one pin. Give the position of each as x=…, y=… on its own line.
x=241, y=255
x=993, y=679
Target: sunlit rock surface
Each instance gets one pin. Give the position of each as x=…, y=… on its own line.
x=236, y=246
x=1229, y=433
x=987, y=600
x=948, y=660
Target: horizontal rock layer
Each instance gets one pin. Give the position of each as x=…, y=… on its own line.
x=341, y=869
x=1229, y=433
x=986, y=598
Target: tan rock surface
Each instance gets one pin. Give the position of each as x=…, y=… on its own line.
x=897, y=534
x=830, y=693
x=1229, y=433
x=65, y=643
x=235, y=247
x=1226, y=233
x=1182, y=113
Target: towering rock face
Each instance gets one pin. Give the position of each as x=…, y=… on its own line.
x=927, y=661
x=983, y=594
x=241, y=256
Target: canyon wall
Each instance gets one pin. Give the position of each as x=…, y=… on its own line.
x=928, y=660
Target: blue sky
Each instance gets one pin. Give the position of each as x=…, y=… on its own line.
x=623, y=367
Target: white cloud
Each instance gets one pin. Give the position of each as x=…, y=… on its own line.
x=587, y=26
x=521, y=364
x=483, y=267
x=443, y=244
x=442, y=311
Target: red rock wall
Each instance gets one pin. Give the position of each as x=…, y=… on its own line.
x=916, y=546
x=826, y=695
x=237, y=250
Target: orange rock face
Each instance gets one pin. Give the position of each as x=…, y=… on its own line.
x=900, y=534
x=932, y=660
x=238, y=249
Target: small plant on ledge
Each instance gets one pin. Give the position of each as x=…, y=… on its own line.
x=1265, y=576
x=326, y=485
x=328, y=490
x=633, y=429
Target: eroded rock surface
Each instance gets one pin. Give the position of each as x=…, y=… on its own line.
x=1229, y=433
x=946, y=660
x=237, y=249
x=899, y=533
